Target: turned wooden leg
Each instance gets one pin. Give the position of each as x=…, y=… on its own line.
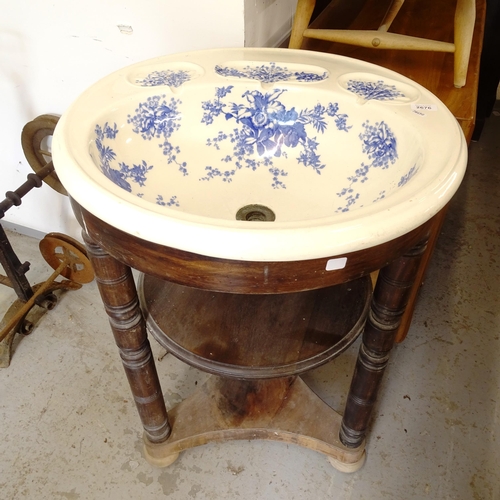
x=390, y=297
x=303, y=14
x=119, y=295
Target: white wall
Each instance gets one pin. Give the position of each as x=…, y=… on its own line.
x=50, y=51
x=268, y=22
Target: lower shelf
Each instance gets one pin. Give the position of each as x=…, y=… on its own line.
x=255, y=336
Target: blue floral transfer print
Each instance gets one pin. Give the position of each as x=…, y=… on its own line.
x=379, y=91
x=270, y=73
x=124, y=174
x=266, y=127
x=173, y=202
x=380, y=196
x=380, y=145
x=158, y=119
x=406, y=178
x=166, y=77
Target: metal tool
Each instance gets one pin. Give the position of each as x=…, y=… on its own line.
x=65, y=255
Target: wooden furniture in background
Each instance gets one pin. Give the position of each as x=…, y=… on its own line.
x=464, y=19
x=434, y=70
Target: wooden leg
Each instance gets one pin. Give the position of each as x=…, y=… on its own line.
x=390, y=297
x=119, y=295
x=301, y=21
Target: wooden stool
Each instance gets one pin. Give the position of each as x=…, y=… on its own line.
x=465, y=15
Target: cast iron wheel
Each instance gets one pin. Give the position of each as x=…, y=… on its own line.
x=32, y=137
x=56, y=250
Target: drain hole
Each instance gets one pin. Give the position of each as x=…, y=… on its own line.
x=255, y=213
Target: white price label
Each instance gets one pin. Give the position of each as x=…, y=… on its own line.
x=336, y=264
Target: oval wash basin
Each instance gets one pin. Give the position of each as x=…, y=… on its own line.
x=260, y=154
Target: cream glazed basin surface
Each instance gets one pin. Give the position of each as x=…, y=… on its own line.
x=260, y=154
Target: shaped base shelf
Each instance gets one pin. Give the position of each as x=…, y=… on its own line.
x=283, y=409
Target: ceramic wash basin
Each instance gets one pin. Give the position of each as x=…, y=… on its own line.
x=260, y=154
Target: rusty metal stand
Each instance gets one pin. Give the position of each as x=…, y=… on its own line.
x=65, y=255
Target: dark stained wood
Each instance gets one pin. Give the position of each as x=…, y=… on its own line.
x=255, y=336
x=223, y=275
x=238, y=400
x=490, y=69
x=435, y=231
x=119, y=296
x=390, y=297
x=112, y=252
x=120, y=299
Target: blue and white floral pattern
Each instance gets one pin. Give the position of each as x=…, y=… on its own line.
x=379, y=90
x=380, y=196
x=158, y=119
x=124, y=174
x=380, y=145
x=264, y=130
x=266, y=127
x=406, y=178
x=166, y=77
x=172, y=202
x=270, y=73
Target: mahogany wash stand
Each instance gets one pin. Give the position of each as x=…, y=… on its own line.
x=255, y=326
x=217, y=315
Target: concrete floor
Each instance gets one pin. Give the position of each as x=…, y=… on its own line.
x=69, y=428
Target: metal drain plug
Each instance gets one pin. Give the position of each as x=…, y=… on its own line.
x=255, y=213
